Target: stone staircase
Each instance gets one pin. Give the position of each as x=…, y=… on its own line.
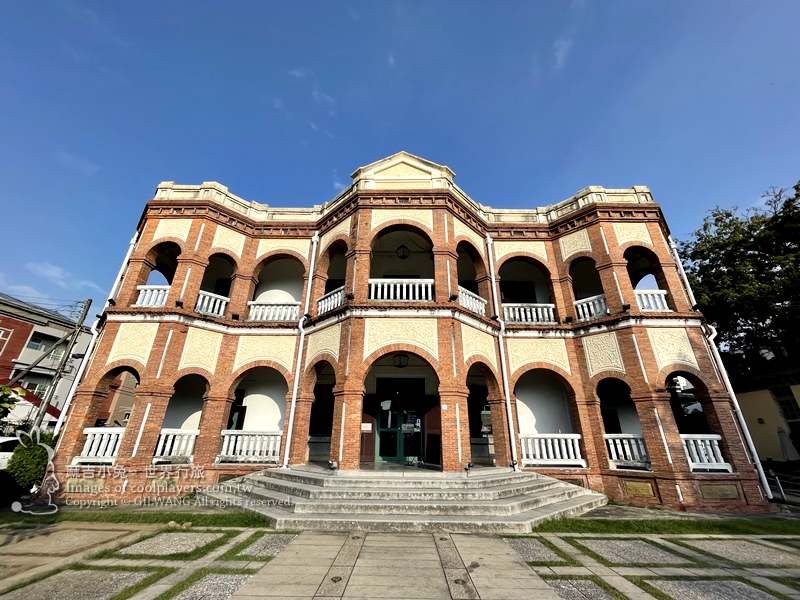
x=489, y=500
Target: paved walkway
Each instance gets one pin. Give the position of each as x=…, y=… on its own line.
x=146, y=563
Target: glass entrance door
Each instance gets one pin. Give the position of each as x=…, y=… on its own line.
x=399, y=420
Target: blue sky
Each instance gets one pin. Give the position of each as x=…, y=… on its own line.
x=526, y=101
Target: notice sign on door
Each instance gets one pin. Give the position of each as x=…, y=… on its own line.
x=366, y=427
x=407, y=428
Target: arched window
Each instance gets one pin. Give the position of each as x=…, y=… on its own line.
x=401, y=267
x=216, y=286
x=590, y=299
x=526, y=292
x=279, y=291
x=647, y=279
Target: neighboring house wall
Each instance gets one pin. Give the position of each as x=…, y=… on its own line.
x=761, y=405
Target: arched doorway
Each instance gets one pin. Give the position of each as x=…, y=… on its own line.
x=526, y=292
x=278, y=292
x=481, y=428
x=590, y=298
x=623, y=431
x=181, y=424
x=401, y=403
x=647, y=279
x=320, y=425
x=401, y=267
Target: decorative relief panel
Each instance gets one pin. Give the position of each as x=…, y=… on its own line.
x=602, y=353
x=502, y=248
x=671, y=345
x=478, y=342
x=403, y=170
x=279, y=348
x=201, y=349
x=522, y=351
x=178, y=228
x=270, y=245
x=630, y=232
x=342, y=226
x=228, y=239
x=417, y=332
x=133, y=342
x=574, y=243
x=326, y=340
x=416, y=215
x=460, y=229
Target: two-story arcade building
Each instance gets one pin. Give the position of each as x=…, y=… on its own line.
x=404, y=321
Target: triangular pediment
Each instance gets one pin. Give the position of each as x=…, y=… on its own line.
x=403, y=171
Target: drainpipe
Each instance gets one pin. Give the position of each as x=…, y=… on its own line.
x=297, y=369
x=503, y=371
x=95, y=333
x=724, y=372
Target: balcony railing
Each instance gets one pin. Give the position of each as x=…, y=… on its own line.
x=152, y=295
x=273, y=311
x=551, y=449
x=654, y=300
x=704, y=454
x=211, y=304
x=627, y=451
x=401, y=290
x=330, y=301
x=591, y=308
x=102, y=444
x=529, y=313
x=250, y=446
x=176, y=443
x=471, y=301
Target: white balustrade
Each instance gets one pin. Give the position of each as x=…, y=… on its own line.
x=529, y=313
x=704, y=454
x=401, y=290
x=102, y=444
x=591, y=308
x=250, y=446
x=552, y=449
x=655, y=300
x=176, y=443
x=627, y=450
x=152, y=295
x=211, y=304
x=471, y=301
x=330, y=301
x=273, y=311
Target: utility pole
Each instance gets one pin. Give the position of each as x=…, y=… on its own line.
x=60, y=370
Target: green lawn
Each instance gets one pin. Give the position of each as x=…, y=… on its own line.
x=232, y=519
x=758, y=526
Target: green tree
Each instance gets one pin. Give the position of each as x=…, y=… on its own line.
x=28, y=464
x=8, y=398
x=743, y=267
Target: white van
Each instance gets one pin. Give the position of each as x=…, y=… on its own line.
x=7, y=445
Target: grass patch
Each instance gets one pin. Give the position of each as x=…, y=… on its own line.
x=157, y=573
x=611, y=591
x=643, y=583
x=232, y=519
x=191, y=555
x=792, y=582
x=197, y=576
x=672, y=526
x=689, y=562
x=568, y=561
x=233, y=553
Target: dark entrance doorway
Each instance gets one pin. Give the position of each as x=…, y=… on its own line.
x=401, y=409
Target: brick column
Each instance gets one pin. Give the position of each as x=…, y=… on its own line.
x=357, y=275
x=348, y=401
x=646, y=407
x=186, y=283
x=138, y=271
x=610, y=289
x=318, y=282
x=243, y=287
x=589, y=421
x=213, y=419
x=718, y=412
x=485, y=292
x=85, y=407
x=502, y=449
x=449, y=398
x=440, y=258
x=158, y=399
x=302, y=420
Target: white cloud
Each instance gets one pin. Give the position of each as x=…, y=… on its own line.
x=76, y=163
x=322, y=99
x=300, y=73
x=391, y=59
x=338, y=184
x=313, y=126
x=277, y=104
x=24, y=292
x=561, y=50
x=61, y=277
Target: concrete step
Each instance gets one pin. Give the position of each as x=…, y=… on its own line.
x=317, y=492
x=505, y=506
x=415, y=479
x=514, y=524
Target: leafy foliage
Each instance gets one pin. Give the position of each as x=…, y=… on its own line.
x=28, y=464
x=744, y=268
x=8, y=398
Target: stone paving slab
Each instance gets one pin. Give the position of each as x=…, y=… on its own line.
x=745, y=552
x=532, y=550
x=268, y=544
x=165, y=544
x=709, y=590
x=51, y=541
x=84, y=584
x=633, y=552
x=214, y=586
x=578, y=589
